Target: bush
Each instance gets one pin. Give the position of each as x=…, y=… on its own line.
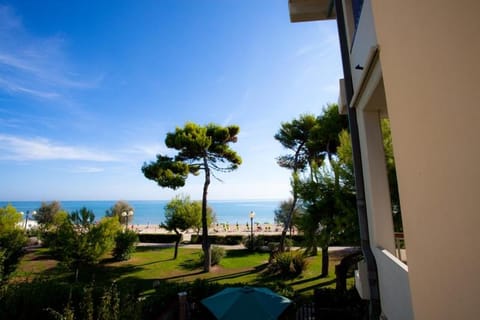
x=217, y=253
x=124, y=245
x=332, y=304
x=11, y=251
x=157, y=237
x=233, y=239
x=266, y=243
x=289, y=264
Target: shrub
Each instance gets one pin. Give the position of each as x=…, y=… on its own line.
x=289, y=264
x=233, y=239
x=11, y=251
x=332, y=304
x=157, y=237
x=53, y=299
x=266, y=243
x=124, y=245
x=217, y=253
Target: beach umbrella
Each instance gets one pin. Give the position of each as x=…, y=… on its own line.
x=246, y=303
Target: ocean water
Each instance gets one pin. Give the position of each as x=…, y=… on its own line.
x=152, y=211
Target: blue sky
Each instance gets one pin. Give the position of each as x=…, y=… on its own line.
x=89, y=89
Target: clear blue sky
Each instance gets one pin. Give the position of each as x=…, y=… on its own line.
x=89, y=89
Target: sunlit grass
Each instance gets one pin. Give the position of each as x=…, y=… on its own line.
x=151, y=264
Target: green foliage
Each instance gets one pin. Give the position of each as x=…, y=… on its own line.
x=181, y=214
x=200, y=148
x=28, y=300
x=118, y=208
x=110, y=304
x=283, y=210
x=51, y=299
x=78, y=242
x=68, y=313
x=10, y=218
x=288, y=264
x=346, y=168
x=392, y=175
x=311, y=139
x=330, y=214
x=229, y=239
x=125, y=244
x=295, y=135
x=47, y=211
x=12, y=241
x=217, y=253
x=86, y=308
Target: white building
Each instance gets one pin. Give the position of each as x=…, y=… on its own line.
x=417, y=63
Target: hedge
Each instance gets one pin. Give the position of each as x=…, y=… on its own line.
x=239, y=239
x=231, y=239
x=157, y=237
x=216, y=239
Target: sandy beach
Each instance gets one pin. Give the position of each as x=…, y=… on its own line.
x=217, y=229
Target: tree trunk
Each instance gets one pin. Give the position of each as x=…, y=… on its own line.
x=281, y=247
x=324, y=261
x=205, y=241
x=177, y=242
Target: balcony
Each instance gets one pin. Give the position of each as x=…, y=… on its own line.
x=363, y=44
x=311, y=10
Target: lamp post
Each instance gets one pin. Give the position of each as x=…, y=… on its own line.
x=26, y=217
x=252, y=214
x=126, y=216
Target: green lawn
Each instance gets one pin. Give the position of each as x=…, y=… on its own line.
x=150, y=264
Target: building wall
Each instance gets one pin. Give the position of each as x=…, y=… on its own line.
x=370, y=104
x=429, y=55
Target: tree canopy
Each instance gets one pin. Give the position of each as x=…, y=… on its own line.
x=118, y=209
x=199, y=148
x=310, y=139
x=10, y=218
x=77, y=241
x=12, y=241
x=47, y=211
x=182, y=214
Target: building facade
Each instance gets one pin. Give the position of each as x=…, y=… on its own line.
x=417, y=64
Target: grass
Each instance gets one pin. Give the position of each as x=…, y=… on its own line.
x=149, y=264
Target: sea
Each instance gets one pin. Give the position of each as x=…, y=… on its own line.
x=151, y=212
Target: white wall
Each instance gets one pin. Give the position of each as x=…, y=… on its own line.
x=429, y=53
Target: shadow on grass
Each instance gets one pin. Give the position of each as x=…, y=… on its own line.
x=315, y=286
x=183, y=275
x=302, y=281
x=112, y=260
x=40, y=257
x=190, y=264
x=158, y=247
x=256, y=270
x=240, y=253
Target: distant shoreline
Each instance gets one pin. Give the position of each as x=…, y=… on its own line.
x=150, y=212
x=219, y=230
